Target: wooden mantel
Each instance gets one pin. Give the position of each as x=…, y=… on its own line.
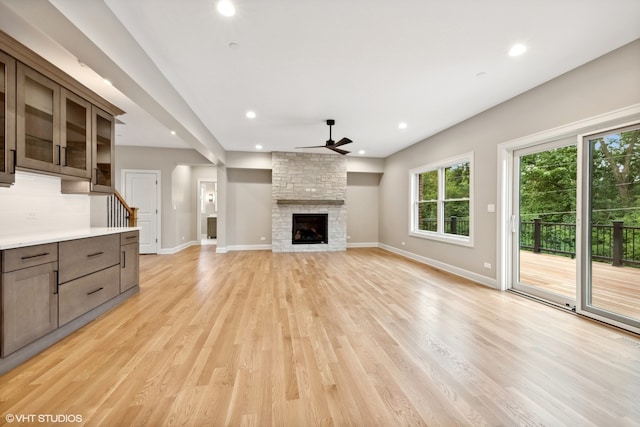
x=309, y=202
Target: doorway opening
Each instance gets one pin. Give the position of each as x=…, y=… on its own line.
x=208, y=212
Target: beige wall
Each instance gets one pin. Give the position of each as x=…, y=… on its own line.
x=248, y=207
x=606, y=84
x=362, y=208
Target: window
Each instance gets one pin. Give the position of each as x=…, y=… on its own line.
x=441, y=201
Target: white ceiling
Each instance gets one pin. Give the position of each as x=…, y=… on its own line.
x=368, y=64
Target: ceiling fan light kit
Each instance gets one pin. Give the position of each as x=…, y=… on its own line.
x=331, y=144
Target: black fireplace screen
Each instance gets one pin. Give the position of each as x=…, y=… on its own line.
x=309, y=229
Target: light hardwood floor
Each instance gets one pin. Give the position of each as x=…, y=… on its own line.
x=361, y=337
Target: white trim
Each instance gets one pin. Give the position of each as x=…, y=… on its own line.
x=221, y=250
x=439, y=166
x=474, y=277
x=505, y=183
x=363, y=245
x=176, y=249
x=248, y=248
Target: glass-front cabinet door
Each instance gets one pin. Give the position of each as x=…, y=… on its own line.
x=75, y=150
x=103, y=132
x=7, y=119
x=38, y=125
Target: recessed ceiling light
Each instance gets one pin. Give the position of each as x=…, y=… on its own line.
x=251, y=114
x=481, y=74
x=402, y=125
x=361, y=152
x=107, y=82
x=517, y=49
x=234, y=46
x=226, y=8
x=258, y=147
x=173, y=132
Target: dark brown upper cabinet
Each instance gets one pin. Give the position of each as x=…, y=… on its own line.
x=7, y=119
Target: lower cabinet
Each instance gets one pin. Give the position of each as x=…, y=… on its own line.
x=29, y=305
x=45, y=287
x=129, y=260
x=86, y=293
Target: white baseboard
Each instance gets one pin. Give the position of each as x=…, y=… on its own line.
x=363, y=245
x=176, y=249
x=249, y=248
x=478, y=278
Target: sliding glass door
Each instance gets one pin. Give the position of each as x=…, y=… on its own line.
x=544, y=221
x=611, y=236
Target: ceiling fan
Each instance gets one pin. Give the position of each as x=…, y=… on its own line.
x=331, y=144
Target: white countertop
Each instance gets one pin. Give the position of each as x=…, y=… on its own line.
x=30, y=239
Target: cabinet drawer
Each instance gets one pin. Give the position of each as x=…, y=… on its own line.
x=84, y=256
x=129, y=237
x=16, y=259
x=86, y=293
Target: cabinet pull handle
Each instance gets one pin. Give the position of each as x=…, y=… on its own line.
x=59, y=160
x=96, y=254
x=130, y=237
x=97, y=290
x=24, y=258
x=15, y=161
x=55, y=292
x=124, y=259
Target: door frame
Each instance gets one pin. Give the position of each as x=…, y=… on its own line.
x=199, y=183
x=554, y=298
x=504, y=223
x=123, y=186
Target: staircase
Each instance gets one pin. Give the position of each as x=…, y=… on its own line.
x=119, y=213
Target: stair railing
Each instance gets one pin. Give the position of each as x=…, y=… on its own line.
x=119, y=213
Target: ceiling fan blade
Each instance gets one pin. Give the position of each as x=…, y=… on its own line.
x=343, y=141
x=337, y=150
x=314, y=146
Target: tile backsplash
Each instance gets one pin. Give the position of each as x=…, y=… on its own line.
x=34, y=204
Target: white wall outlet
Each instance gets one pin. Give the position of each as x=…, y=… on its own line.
x=348, y=237
x=403, y=243
x=487, y=265
x=491, y=207
x=263, y=238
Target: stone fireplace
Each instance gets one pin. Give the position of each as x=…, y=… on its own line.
x=308, y=185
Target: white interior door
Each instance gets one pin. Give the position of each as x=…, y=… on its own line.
x=142, y=190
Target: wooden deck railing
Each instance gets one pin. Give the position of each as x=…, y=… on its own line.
x=119, y=213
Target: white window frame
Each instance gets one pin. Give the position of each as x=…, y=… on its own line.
x=440, y=235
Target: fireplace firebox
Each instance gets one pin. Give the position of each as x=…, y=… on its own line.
x=310, y=229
